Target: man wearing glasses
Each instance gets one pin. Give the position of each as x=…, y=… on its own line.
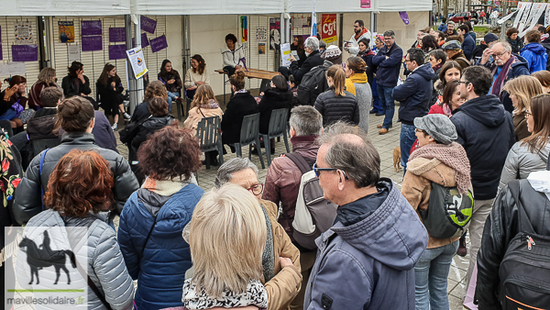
x=504, y=66
x=366, y=259
x=281, y=259
x=486, y=132
x=388, y=60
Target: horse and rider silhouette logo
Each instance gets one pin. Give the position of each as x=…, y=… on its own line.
x=39, y=257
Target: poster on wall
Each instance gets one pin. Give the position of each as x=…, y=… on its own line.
x=274, y=33
x=74, y=53
x=328, y=28
x=285, y=52
x=365, y=4
x=137, y=61
x=27, y=52
x=1, y=52
x=117, y=34
x=66, y=31
x=117, y=51
x=92, y=43
x=23, y=33
x=158, y=44
x=91, y=27
x=147, y=24
x=261, y=34
x=144, y=41
x=261, y=48
x=244, y=29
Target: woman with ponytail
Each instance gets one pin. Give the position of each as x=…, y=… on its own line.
x=337, y=104
x=357, y=83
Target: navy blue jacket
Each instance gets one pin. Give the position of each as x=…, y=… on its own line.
x=387, y=73
x=160, y=267
x=520, y=67
x=486, y=132
x=415, y=94
x=468, y=46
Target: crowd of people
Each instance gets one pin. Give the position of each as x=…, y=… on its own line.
x=474, y=121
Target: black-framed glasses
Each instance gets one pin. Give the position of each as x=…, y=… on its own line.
x=318, y=170
x=500, y=54
x=256, y=189
x=462, y=82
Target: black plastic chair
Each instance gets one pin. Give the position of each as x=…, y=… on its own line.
x=210, y=138
x=277, y=128
x=250, y=133
x=42, y=144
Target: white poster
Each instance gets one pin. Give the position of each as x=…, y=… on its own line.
x=285, y=54
x=137, y=61
x=547, y=17
x=74, y=53
x=536, y=13
x=525, y=17
x=521, y=9
x=505, y=18
x=23, y=33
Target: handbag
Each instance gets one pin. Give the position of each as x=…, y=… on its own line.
x=130, y=131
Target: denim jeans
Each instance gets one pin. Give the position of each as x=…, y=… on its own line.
x=430, y=277
x=406, y=141
x=386, y=100
x=376, y=105
x=171, y=97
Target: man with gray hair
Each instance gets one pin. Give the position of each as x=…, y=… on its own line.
x=366, y=259
x=283, y=179
x=311, y=48
x=504, y=67
x=282, y=276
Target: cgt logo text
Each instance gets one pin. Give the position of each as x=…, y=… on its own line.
x=46, y=301
x=329, y=26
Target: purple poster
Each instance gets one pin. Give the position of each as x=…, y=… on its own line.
x=148, y=24
x=158, y=44
x=92, y=43
x=117, y=51
x=91, y=27
x=144, y=40
x=1, y=54
x=24, y=52
x=117, y=34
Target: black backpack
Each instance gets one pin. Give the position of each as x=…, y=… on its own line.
x=313, y=83
x=525, y=268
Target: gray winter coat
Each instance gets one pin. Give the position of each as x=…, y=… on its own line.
x=364, y=99
x=369, y=264
x=520, y=161
x=101, y=256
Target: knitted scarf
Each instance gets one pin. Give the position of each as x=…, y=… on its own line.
x=499, y=82
x=167, y=187
x=255, y=295
x=452, y=155
x=268, y=257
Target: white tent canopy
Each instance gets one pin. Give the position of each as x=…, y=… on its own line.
x=193, y=7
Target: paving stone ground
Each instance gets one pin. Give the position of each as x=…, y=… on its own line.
x=385, y=145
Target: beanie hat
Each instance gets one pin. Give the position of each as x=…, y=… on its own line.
x=438, y=126
x=451, y=45
x=490, y=37
x=333, y=54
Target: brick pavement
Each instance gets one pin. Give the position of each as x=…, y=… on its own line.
x=385, y=145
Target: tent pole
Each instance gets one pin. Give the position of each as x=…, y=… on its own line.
x=132, y=87
x=139, y=82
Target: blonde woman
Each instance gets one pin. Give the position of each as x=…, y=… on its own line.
x=544, y=79
x=521, y=90
x=46, y=78
x=203, y=105
x=228, y=269
x=337, y=104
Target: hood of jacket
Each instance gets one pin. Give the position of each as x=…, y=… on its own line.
x=425, y=71
x=392, y=233
x=485, y=109
x=540, y=181
x=520, y=62
x=536, y=48
x=152, y=201
x=432, y=170
x=158, y=122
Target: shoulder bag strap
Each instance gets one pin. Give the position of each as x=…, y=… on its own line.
x=514, y=187
x=42, y=157
x=299, y=161
x=548, y=164
x=148, y=236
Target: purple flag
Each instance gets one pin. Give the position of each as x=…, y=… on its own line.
x=1, y=56
x=144, y=40
x=147, y=24
x=404, y=17
x=92, y=43
x=24, y=52
x=158, y=44
x=117, y=51
x=91, y=27
x=117, y=34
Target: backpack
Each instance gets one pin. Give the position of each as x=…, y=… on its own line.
x=314, y=214
x=449, y=212
x=525, y=267
x=313, y=83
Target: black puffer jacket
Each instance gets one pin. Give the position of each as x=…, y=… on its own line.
x=240, y=105
x=27, y=195
x=40, y=125
x=273, y=99
x=335, y=108
x=149, y=127
x=501, y=226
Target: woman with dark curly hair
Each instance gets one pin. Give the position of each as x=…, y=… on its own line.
x=172, y=80
x=154, y=89
x=78, y=196
x=151, y=225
